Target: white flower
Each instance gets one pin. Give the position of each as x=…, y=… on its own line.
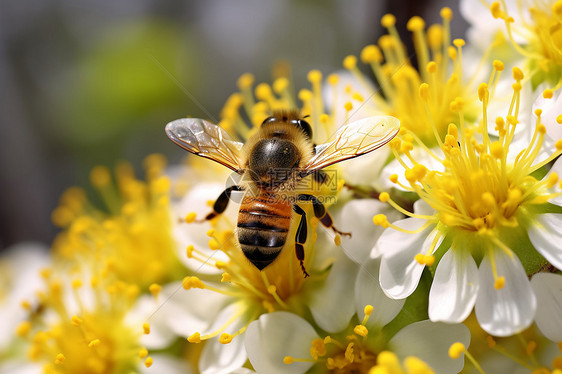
x=531, y=28
x=482, y=206
x=20, y=276
x=282, y=342
x=548, y=288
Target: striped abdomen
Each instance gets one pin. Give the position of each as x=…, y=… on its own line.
x=263, y=227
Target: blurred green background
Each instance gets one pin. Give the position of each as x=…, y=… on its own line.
x=84, y=83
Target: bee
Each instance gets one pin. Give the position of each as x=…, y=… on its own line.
x=271, y=164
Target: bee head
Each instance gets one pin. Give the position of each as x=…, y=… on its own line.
x=291, y=118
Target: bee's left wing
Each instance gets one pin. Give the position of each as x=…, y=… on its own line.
x=206, y=140
x=354, y=139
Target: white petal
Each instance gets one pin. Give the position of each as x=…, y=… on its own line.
x=189, y=311
x=336, y=294
x=454, y=288
x=218, y=358
x=546, y=236
x=369, y=292
x=366, y=170
x=548, y=289
x=430, y=341
x=400, y=272
x=357, y=217
x=510, y=309
x=144, y=311
x=276, y=335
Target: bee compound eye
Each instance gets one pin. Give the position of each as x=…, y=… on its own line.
x=305, y=126
x=269, y=120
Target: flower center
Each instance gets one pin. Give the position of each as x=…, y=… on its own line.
x=136, y=234
x=544, y=37
x=95, y=340
x=440, y=65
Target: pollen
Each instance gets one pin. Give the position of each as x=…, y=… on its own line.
x=370, y=53
x=456, y=350
x=146, y=328
x=194, y=338
x=498, y=65
x=225, y=338
x=388, y=20
x=59, y=359
x=155, y=289
x=94, y=343
x=23, y=329
x=190, y=217
x=192, y=282
x=380, y=220
x=360, y=330
x=350, y=62
x=548, y=93
x=245, y=81
x=337, y=240
x=288, y=360
x=517, y=73
x=314, y=76
x=499, y=283
x=148, y=362
x=214, y=245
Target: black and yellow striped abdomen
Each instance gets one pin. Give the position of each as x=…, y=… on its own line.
x=263, y=226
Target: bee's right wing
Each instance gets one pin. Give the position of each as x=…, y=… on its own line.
x=206, y=140
x=353, y=140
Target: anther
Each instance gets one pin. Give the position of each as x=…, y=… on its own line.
x=499, y=283
x=192, y=282
x=143, y=352
x=498, y=65
x=288, y=360
x=76, y=321
x=314, y=76
x=246, y=80
x=146, y=328
x=225, y=338
x=194, y=338
x=548, y=93
x=456, y=350
x=384, y=197
x=59, y=359
x=148, y=362
x=517, y=74
x=350, y=62
x=190, y=217
x=360, y=330
x=155, y=289
x=94, y=343
x=388, y=20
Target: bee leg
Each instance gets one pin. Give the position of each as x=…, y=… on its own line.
x=322, y=214
x=300, y=238
x=221, y=203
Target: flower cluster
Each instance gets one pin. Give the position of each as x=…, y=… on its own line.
x=455, y=258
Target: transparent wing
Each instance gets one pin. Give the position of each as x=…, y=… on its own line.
x=206, y=140
x=354, y=139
